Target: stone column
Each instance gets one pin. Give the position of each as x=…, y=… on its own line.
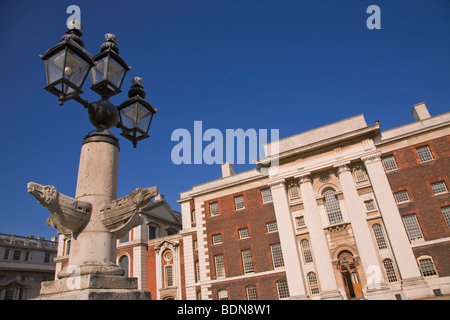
x=288, y=240
x=357, y=214
x=93, y=250
x=412, y=283
x=319, y=244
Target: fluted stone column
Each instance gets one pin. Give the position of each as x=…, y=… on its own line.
x=288, y=240
x=363, y=237
x=319, y=243
x=412, y=282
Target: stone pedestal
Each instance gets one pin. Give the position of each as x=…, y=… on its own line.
x=93, y=287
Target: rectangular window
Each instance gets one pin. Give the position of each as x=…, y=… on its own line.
x=252, y=293
x=217, y=238
x=168, y=276
x=401, y=196
x=300, y=221
x=439, y=187
x=266, y=195
x=293, y=191
x=277, y=255
x=220, y=266
x=27, y=255
x=214, y=208
x=243, y=233
x=446, y=213
x=389, y=163
x=47, y=257
x=370, y=205
x=424, y=154
x=272, y=226
x=222, y=294
x=360, y=175
x=5, y=257
x=197, y=271
x=239, y=202
x=282, y=289
x=412, y=227
x=16, y=255
x=247, y=261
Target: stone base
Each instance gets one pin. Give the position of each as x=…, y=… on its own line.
x=92, y=287
x=331, y=295
x=379, y=292
x=416, y=288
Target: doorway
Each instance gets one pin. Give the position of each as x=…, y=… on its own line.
x=350, y=277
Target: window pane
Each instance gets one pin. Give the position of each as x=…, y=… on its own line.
x=293, y=191
x=390, y=271
x=272, y=226
x=446, y=213
x=283, y=289
x=220, y=266
x=379, y=236
x=401, y=196
x=247, y=260
x=412, y=227
x=439, y=187
x=239, y=202
x=252, y=293
x=222, y=294
x=169, y=276
x=313, y=283
x=360, y=176
x=424, y=154
x=300, y=221
x=243, y=233
x=332, y=207
x=389, y=163
x=266, y=195
x=370, y=205
x=214, y=208
x=307, y=255
x=277, y=255
x=217, y=238
x=427, y=267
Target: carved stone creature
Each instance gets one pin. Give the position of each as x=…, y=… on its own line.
x=68, y=215
x=120, y=216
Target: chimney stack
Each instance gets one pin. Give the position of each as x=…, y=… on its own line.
x=420, y=111
x=227, y=170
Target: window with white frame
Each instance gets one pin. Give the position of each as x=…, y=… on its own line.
x=217, y=238
x=332, y=207
x=244, y=233
x=272, y=226
x=214, y=208
x=401, y=196
x=306, y=250
x=360, y=175
x=370, y=205
x=239, y=202
x=168, y=276
x=379, y=236
x=220, y=266
x=427, y=267
x=197, y=271
x=313, y=283
x=446, y=213
x=282, y=289
x=412, y=227
x=277, y=255
x=222, y=294
x=300, y=221
x=424, y=154
x=247, y=261
x=293, y=191
x=266, y=195
x=389, y=163
x=252, y=292
x=390, y=271
x=439, y=187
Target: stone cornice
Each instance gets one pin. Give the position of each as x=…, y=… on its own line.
x=371, y=158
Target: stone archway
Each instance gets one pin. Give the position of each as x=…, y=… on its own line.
x=350, y=277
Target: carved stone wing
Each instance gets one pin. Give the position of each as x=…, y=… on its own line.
x=67, y=214
x=119, y=216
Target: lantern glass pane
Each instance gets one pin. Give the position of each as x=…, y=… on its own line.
x=115, y=72
x=75, y=69
x=55, y=66
x=98, y=72
x=136, y=116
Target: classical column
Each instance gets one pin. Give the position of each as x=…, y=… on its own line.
x=288, y=240
x=366, y=247
x=319, y=244
x=413, y=284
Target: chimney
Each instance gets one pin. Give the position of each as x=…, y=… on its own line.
x=420, y=111
x=159, y=197
x=227, y=170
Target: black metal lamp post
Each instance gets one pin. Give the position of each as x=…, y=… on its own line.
x=67, y=65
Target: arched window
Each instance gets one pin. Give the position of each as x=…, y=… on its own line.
x=307, y=255
x=379, y=236
x=168, y=269
x=390, y=271
x=313, y=283
x=123, y=264
x=427, y=267
x=332, y=206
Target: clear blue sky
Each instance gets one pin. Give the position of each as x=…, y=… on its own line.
x=291, y=65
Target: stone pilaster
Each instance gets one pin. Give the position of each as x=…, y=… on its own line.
x=288, y=240
x=319, y=244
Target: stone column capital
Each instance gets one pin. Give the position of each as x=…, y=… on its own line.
x=371, y=158
x=343, y=167
x=304, y=177
x=274, y=184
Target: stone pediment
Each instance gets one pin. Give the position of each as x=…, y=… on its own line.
x=164, y=244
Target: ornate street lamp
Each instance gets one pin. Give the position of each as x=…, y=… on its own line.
x=67, y=65
x=136, y=114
